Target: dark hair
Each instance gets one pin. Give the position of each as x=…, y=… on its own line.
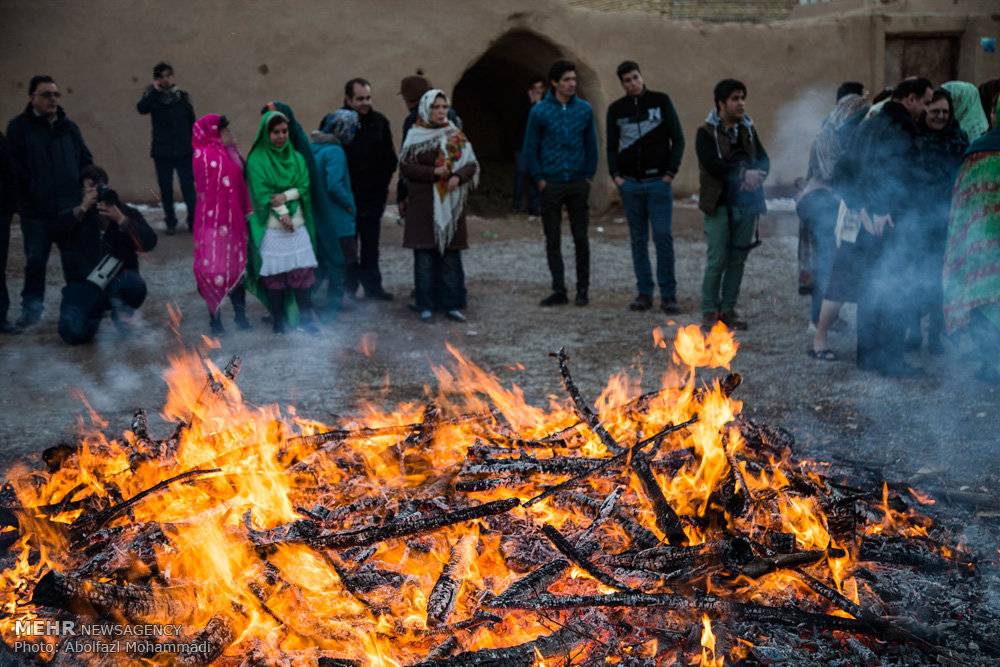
x=942, y=94
x=223, y=123
x=916, y=86
x=626, y=67
x=850, y=88
x=38, y=80
x=536, y=79
x=349, y=86
x=161, y=68
x=276, y=121
x=94, y=173
x=725, y=88
x=883, y=95
x=559, y=69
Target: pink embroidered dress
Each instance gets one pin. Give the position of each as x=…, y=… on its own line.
x=220, y=229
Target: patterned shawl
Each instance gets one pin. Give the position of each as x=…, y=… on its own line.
x=972, y=257
x=220, y=228
x=454, y=152
x=829, y=142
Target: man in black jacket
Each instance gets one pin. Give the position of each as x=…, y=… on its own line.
x=885, y=155
x=108, y=235
x=371, y=161
x=49, y=154
x=645, y=145
x=172, y=115
x=8, y=206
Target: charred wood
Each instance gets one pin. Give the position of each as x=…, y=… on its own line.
x=666, y=518
x=581, y=561
x=583, y=409
x=87, y=597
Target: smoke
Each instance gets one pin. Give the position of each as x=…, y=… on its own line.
x=798, y=122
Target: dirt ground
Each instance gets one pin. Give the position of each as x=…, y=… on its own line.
x=946, y=422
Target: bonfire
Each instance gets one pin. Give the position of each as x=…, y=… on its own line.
x=471, y=528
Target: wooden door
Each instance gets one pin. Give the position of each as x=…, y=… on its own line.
x=932, y=56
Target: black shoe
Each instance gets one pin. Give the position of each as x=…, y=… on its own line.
x=215, y=325
x=670, y=307
x=901, y=369
x=170, y=231
x=641, y=302
x=734, y=321
x=554, y=299
x=278, y=325
x=242, y=323
x=581, y=298
x=708, y=320
x=378, y=295
x=9, y=328
x=28, y=320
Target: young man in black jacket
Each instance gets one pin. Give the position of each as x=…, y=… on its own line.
x=645, y=146
x=49, y=154
x=371, y=161
x=732, y=166
x=172, y=115
x=886, y=155
x=108, y=237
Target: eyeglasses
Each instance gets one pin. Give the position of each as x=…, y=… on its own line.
x=48, y=94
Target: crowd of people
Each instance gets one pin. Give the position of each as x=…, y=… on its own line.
x=898, y=209
x=900, y=213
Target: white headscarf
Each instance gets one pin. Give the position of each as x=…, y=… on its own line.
x=423, y=137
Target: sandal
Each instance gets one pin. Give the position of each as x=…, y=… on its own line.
x=823, y=355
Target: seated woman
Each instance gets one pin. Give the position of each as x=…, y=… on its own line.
x=220, y=230
x=440, y=166
x=283, y=241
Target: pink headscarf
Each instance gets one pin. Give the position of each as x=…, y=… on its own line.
x=220, y=226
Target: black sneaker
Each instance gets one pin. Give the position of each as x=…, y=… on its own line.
x=734, y=321
x=278, y=326
x=581, y=298
x=641, y=302
x=215, y=325
x=241, y=321
x=554, y=299
x=670, y=307
x=708, y=320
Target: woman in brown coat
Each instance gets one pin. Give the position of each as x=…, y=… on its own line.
x=440, y=167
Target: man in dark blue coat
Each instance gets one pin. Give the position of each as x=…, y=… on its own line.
x=49, y=154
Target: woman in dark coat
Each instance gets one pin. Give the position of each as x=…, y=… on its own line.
x=942, y=146
x=440, y=166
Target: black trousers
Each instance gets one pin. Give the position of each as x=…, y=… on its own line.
x=39, y=235
x=574, y=196
x=84, y=304
x=885, y=300
x=365, y=271
x=4, y=247
x=165, y=168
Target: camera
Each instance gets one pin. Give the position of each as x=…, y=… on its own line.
x=105, y=195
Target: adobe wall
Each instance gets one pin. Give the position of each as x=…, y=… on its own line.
x=235, y=55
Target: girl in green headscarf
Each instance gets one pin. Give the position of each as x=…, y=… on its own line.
x=968, y=108
x=282, y=238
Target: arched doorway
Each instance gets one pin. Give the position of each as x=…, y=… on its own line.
x=491, y=98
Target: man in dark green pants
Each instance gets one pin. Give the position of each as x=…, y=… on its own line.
x=732, y=165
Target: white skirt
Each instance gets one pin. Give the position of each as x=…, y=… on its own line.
x=282, y=251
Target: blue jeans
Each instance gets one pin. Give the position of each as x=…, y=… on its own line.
x=818, y=211
x=649, y=203
x=439, y=280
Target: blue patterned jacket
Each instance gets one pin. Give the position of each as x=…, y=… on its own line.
x=560, y=142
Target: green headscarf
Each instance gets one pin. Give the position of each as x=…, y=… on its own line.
x=270, y=171
x=968, y=108
x=326, y=243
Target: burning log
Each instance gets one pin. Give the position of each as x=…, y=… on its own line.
x=761, y=566
x=666, y=518
x=670, y=559
x=583, y=410
x=87, y=598
x=641, y=538
x=581, y=561
x=88, y=523
x=444, y=595
x=523, y=655
x=216, y=636
x=536, y=582
x=898, y=551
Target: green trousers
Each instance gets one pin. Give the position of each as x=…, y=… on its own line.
x=724, y=261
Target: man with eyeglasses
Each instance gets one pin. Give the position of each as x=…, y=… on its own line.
x=49, y=154
x=371, y=161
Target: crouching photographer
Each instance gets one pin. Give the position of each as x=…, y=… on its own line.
x=109, y=237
